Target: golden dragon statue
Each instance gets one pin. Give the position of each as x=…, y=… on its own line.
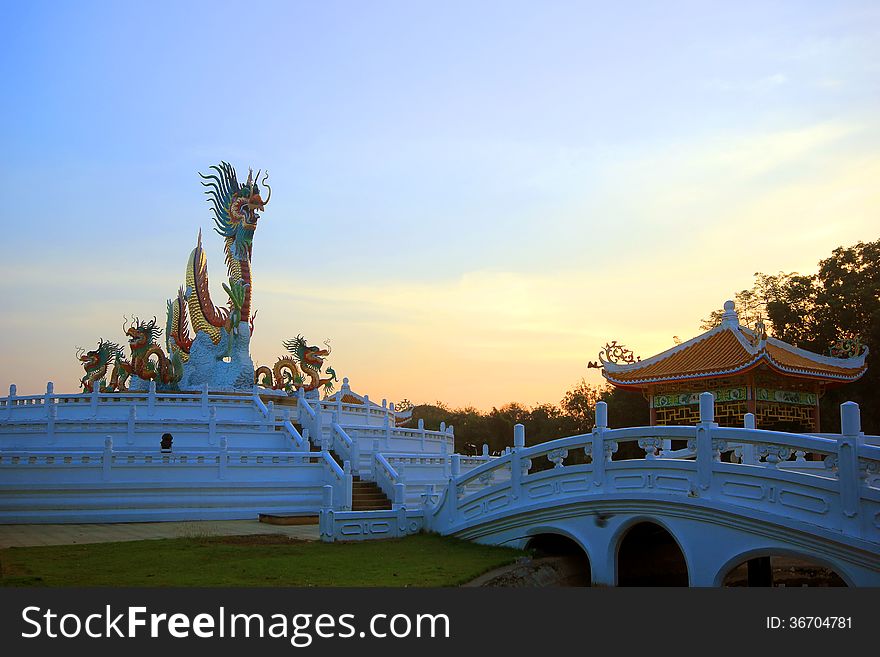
x=290, y=371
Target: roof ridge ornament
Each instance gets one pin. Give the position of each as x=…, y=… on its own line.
x=617, y=354
x=729, y=316
x=846, y=347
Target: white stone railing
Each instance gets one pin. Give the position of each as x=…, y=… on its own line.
x=116, y=404
x=363, y=525
x=388, y=479
x=339, y=481
x=394, y=439
x=344, y=446
x=843, y=496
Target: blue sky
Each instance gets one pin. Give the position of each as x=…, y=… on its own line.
x=469, y=199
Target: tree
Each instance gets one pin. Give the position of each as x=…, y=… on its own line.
x=579, y=404
x=841, y=300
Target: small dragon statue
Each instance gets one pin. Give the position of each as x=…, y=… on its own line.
x=289, y=372
x=148, y=361
x=97, y=361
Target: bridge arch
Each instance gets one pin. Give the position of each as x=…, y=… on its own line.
x=651, y=535
x=777, y=551
x=554, y=541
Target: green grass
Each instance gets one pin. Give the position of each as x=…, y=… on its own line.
x=266, y=560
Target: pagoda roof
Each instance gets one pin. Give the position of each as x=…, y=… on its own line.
x=730, y=349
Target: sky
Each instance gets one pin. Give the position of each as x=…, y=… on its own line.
x=469, y=198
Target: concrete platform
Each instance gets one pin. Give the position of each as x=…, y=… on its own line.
x=30, y=535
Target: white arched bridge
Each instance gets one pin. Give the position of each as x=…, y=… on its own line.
x=725, y=497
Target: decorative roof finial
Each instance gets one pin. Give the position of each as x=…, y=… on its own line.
x=729, y=316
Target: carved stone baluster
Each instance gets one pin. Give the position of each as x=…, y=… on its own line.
x=651, y=446
x=557, y=456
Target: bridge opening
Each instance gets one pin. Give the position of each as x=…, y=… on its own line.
x=649, y=556
x=562, y=560
x=782, y=570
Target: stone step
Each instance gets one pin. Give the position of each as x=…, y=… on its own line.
x=289, y=518
x=378, y=506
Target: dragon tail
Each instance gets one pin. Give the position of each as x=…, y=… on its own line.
x=204, y=315
x=176, y=328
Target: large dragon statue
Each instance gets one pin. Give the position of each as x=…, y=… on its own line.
x=148, y=361
x=97, y=361
x=236, y=208
x=289, y=372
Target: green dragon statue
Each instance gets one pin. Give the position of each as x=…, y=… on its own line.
x=97, y=361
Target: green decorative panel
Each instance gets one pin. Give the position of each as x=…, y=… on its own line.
x=668, y=400
x=786, y=396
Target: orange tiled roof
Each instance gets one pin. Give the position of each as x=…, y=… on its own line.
x=731, y=349
x=717, y=353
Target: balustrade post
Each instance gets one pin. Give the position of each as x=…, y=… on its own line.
x=598, y=448
x=10, y=401
x=347, y=482
x=355, y=456
x=50, y=393
x=204, y=400
x=367, y=408
x=349, y=485
x=270, y=416
x=96, y=390
x=422, y=432
x=151, y=398
x=212, y=425
x=387, y=429
x=452, y=490
x=399, y=496
x=325, y=517
x=516, y=474
x=705, y=456
x=107, y=458
x=848, y=458
x=50, y=423
x=519, y=436
x=749, y=450
x=129, y=432
x=223, y=458
x=485, y=450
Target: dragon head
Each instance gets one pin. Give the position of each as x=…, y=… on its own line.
x=236, y=206
x=142, y=334
x=305, y=354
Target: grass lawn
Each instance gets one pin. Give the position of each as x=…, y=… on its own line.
x=266, y=560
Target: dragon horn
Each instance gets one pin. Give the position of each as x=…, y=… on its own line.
x=266, y=185
x=329, y=348
x=80, y=351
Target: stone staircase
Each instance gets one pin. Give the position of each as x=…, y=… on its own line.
x=365, y=495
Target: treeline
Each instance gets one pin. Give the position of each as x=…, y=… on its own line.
x=574, y=414
x=840, y=301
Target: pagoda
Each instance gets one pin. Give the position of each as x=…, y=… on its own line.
x=746, y=370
